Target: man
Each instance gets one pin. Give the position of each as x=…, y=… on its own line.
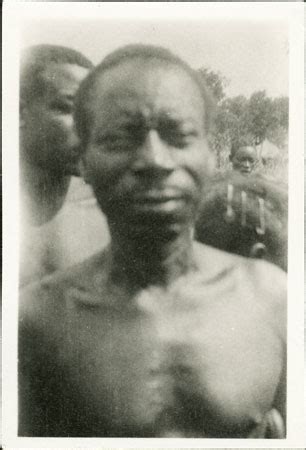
x=156, y=336
x=49, y=148
x=49, y=157
x=244, y=158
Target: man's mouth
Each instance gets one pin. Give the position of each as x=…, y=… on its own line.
x=157, y=196
x=158, y=201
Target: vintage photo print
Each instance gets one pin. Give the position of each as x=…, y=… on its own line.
x=153, y=225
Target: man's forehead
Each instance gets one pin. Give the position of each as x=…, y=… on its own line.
x=135, y=81
x=126, y=71
x=60, y=76
x=247, y=150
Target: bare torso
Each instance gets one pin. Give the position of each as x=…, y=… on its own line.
x=202, y=357
x=77, y=231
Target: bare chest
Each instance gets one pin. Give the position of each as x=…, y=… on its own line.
x=187, y=370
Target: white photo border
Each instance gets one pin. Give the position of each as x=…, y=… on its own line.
x=15, y=14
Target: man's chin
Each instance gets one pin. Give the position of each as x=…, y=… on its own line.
x=71, y=168
x=68, y=171
x=152, y=226
x=154, y=233
x=74, y=172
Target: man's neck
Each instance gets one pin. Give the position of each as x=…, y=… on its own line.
x=142, y=261
x=43, y=192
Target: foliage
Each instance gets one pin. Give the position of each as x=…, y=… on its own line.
x=243, y=119
x=215, y=82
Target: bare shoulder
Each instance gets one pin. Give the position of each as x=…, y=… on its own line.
x=254, y=280
x=265, y=276
x=271, y=283
x=46, y=300
x=213, y=261
x=268, y=277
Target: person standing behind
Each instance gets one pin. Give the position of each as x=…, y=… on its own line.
x=49, y=148
x=244, y=158
x=49, y=153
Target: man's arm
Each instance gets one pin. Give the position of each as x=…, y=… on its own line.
x=32, y=360
x=274, y=285
x=29, y=413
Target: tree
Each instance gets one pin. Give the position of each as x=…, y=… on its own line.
x=279, y=133
x=281, y=111
x=239, y=119
x=268, y=118
x=260, y=116
x=215, y=82
x=230, y=126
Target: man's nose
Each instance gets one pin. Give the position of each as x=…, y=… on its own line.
x=154, y=154
x=247, y=164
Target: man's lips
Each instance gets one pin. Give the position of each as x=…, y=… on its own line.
x=157, y=201
x=155, y=196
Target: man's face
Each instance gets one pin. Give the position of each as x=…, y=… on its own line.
x=244, y=160
x=147, y=156
x=48, y=139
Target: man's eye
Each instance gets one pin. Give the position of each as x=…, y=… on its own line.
x=179, y=139
x=62, y=107
x=112, y=142
x=126, y=139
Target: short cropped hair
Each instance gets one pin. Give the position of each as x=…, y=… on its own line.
x=83, y=111
x=34, y=60
x=241, y=142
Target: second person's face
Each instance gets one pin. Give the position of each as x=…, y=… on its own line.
x=49, y=139
x=147, y=156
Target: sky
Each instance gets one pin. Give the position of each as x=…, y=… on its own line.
x=252, y=55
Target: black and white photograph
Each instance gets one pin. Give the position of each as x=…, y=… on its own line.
x=153, y=259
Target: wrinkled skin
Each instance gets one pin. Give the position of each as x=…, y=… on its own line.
x=147, y=143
